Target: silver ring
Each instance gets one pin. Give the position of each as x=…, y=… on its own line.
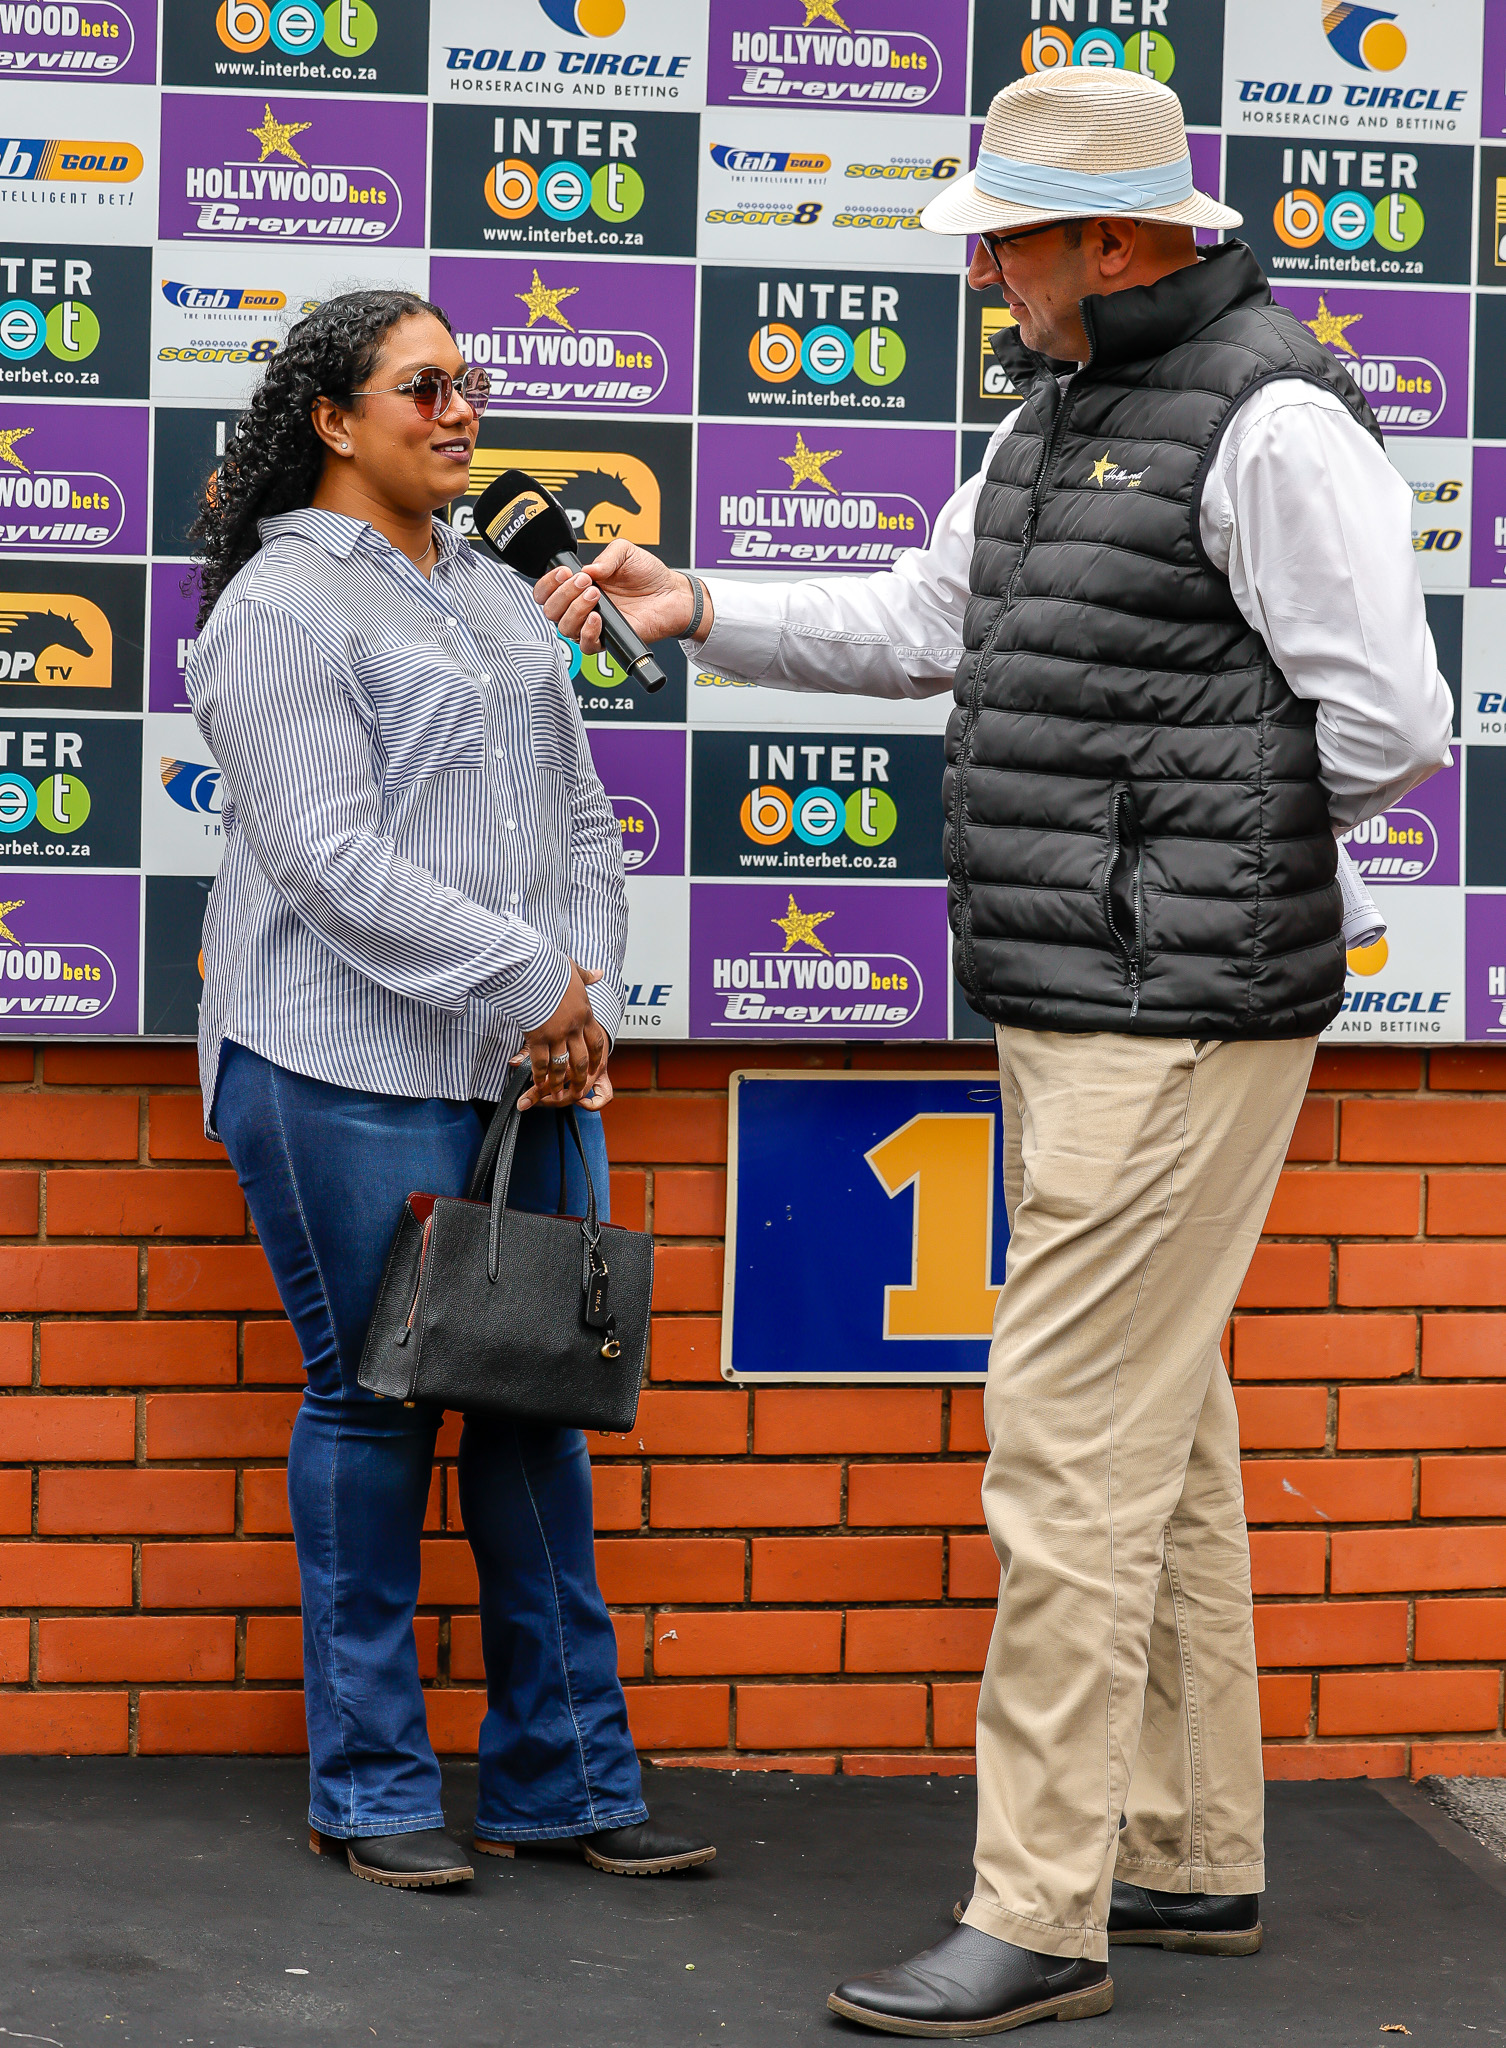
x=561, y=1059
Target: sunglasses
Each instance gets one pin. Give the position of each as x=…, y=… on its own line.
x=432, y=389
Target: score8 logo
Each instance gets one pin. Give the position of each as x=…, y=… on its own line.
x=818, y=815
x=613, y=192
x=826, y=354
x=1349, y=220
x=348, y=27
x=1099, y=49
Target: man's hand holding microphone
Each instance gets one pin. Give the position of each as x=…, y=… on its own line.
x=659, y=603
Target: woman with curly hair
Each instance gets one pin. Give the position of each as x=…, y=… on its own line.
x=422, y=883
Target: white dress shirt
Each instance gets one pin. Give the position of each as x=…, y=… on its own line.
x=1303, y=513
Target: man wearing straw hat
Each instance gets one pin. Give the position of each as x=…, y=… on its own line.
x=1189, y=647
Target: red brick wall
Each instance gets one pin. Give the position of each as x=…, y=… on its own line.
x=797, y=1574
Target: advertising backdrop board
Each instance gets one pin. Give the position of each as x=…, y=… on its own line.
x=351, y=46
x=684, y=238
x=74, y=321
x=71, y=635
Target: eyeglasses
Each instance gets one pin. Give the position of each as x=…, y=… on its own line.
x=994, y=243
x=431, y=390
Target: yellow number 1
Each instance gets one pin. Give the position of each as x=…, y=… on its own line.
x=949, y=1161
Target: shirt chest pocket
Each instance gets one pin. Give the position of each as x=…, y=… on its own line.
x=554, y=734
x=430, y=719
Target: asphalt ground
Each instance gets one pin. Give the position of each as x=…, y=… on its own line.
x=1478, y=1804
x=175, y=1901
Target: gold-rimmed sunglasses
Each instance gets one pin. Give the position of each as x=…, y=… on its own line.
x=431, y=390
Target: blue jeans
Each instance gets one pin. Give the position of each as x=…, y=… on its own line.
x=326, y=1171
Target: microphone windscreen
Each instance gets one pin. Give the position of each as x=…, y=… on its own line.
x=523, y=522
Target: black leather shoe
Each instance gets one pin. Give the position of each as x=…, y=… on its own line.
x=413, y=1862
x=645, y=1850
x=971, y=1983
x=1212, y=1925
x=642, y=1850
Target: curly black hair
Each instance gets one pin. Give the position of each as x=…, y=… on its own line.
x=275, y=458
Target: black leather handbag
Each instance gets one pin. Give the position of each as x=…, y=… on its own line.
x=500, y=1311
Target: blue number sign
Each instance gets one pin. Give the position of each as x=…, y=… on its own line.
x=865, y=1226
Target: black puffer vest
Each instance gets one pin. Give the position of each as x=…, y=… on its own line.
x=1136, y=834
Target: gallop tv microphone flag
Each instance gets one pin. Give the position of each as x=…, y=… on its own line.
x=527, y=527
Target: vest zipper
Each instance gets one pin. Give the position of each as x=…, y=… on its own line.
x=1027, y=541
x=1120, y=804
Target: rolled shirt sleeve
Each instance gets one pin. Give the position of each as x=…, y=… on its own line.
x=311, y=816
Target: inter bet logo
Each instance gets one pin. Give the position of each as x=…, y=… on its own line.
x=1380, y=205
x=348, y=28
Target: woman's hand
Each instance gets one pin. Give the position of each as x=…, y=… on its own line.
x=568, y=1051
x=601, y=1092
x=656, y=602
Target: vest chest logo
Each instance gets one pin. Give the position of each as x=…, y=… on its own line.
x=1108, y=475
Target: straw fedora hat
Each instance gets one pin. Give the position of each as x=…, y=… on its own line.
x=1078, y=143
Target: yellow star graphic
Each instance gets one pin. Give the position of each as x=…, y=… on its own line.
x=1329, y=327
x=276, y=137
x=799, y=926
x=822, y=10
x=805, y=464
x=544, y=304
x=1102, y=467
x=9, y=436
x=20, y=904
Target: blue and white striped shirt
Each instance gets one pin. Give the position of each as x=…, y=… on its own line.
x=416, y=842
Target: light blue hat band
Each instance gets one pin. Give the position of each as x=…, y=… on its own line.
x=1059, y=191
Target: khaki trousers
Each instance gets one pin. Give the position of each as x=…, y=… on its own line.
x=1121, y=1673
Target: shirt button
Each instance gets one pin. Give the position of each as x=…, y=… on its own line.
x=496, y=753
x=512, y=824
x=514, y=898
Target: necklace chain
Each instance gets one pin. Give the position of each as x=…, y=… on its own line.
x=422, y=556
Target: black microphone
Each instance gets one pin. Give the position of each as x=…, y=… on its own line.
x=527, y=527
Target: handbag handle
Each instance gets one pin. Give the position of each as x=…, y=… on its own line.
x=502, y=1176
x=486, y=1158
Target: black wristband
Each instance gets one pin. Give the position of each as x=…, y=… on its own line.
x=700, y=604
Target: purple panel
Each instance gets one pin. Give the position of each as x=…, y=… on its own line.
x=1207, y=153
x=1407, y=351
x=73, y=478
x=336, y=173
x=819, y=961
x=818, y=498
x=1487, y=563
x=573, y=337
x=644, y=777
x=104, y=42
x=69, y=953
x=789, y=53
x=1493, y=96
x=1485, y=966
x=172, y=635
x=1415, y=841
